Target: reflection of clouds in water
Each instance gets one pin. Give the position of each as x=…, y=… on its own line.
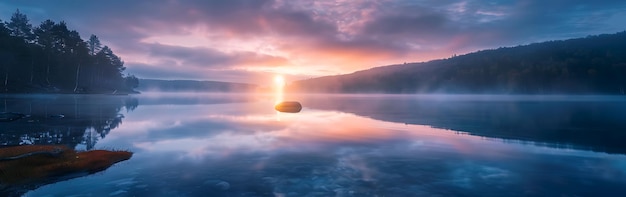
x=329, y=153
x=218, y=146
x=470, y=174
x=383, y=172
x=358, y=164
x=217, y=134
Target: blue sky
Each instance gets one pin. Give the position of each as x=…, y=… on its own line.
x=253, y=40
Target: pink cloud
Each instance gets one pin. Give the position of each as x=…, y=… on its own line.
x=180, y=39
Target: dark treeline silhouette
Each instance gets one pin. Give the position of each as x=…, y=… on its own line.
x=52, y=58
x=591, y=65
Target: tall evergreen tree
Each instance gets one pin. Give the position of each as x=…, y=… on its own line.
x=78, y=54
x=61, y=61
x=45, y=39
x=4, y=32
x=94, y=45
x=19, y=26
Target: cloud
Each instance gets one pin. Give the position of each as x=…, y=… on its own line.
x=207, y=57
x=168, y=70
x=313, y=38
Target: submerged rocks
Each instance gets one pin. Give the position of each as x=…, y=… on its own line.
x=288, y=106
x=10, y=116
x=59, y=116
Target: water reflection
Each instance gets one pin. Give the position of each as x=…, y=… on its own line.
x=38, y=147
x=69, y=120
x=240, y=149
x=584, y=122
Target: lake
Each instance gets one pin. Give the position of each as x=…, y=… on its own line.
x=338, y=145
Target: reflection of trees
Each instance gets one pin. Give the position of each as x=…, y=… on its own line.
x=63, y=119
x=591, y=124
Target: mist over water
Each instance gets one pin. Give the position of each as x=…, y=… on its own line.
x=352, y=145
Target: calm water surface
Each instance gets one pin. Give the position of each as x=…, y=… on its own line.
x=341, y=145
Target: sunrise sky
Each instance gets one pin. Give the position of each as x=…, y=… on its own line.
x=251, y=41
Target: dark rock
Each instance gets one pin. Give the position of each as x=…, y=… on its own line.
x=10, y=116
x=288, y=106
x=57, y=116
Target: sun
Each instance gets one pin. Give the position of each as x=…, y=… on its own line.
x=279, y=85
x=279, y=80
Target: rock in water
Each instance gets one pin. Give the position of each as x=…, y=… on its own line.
x=10, y=116
x=288, y=106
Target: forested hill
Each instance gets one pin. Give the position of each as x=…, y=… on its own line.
x=591, y=65
x=50, y=58
x=192, y=86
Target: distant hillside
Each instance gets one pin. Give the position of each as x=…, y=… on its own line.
x=192, y=86
x=591, y=65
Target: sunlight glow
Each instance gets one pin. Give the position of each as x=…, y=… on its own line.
x=279, y=84
x=279, y=81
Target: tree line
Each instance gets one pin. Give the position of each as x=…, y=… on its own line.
x=590, y=65
x=50, y=58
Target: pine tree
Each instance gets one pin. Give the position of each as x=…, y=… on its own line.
x=45, y=39
x=94, y=45
x=19, y=26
